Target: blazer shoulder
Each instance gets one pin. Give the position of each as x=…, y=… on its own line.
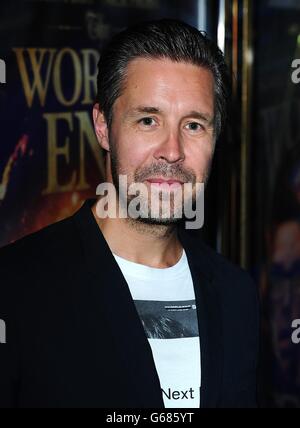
x=228, y=275
x=52, y=239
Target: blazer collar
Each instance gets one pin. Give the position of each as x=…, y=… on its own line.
x=135, y=349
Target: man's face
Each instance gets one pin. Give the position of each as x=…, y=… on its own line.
x=162, y=130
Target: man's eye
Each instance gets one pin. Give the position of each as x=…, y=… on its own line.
x=147, y=121
x=195, y=126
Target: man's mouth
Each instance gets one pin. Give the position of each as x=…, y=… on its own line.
x=164, y=183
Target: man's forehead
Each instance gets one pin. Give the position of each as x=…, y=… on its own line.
x=166, y=72
x=159, y=83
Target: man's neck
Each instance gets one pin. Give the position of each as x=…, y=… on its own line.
x=148, y=244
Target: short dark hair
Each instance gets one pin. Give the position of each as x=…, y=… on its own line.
x=165, y=38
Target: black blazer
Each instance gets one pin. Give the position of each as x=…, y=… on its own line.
x=74, y=337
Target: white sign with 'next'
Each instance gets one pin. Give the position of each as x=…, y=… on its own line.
x=2, y=71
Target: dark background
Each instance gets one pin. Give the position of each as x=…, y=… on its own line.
x=252, y=210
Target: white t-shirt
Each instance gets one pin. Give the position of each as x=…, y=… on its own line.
x=165, y=301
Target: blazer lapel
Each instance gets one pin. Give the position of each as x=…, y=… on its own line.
x=209, y=320
x=111, y=291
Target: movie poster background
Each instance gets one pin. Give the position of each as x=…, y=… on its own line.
x=276, y=196
x=49, y=158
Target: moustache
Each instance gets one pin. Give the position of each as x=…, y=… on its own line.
x=169, y=172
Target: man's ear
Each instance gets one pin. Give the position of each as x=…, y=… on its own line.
x=101, y=127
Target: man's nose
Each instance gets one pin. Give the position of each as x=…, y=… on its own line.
x=170, y=149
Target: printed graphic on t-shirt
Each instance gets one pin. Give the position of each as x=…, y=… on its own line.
x=172, y=330
x=168, y=320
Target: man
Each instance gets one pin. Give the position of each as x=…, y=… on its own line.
x=106, y=310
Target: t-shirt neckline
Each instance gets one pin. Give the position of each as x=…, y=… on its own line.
x=144, y=271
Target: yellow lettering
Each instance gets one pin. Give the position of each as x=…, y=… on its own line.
x=90, y=77
x=54, y=151
x=77, y=77
x=37, y=84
